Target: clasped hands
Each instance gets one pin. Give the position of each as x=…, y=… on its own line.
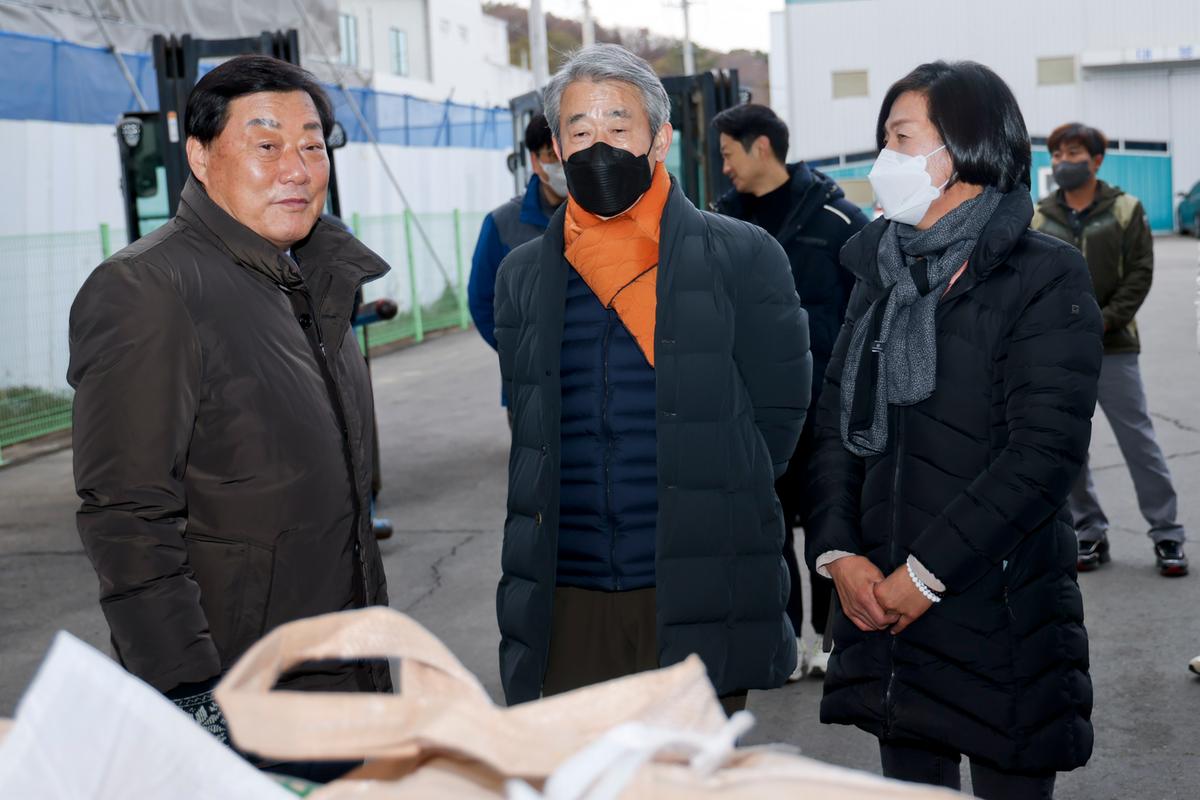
x=873, y=602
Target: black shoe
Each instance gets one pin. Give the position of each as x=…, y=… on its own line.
x=383, y=528
x=1171, y=560
x=1092, y=554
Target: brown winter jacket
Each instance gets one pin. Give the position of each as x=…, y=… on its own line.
x=224, y=464
x=1114, y=236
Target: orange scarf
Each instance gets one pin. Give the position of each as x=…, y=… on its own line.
x=618, y=258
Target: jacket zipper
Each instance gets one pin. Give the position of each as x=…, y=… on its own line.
x=899, y=429
x=608, y=518
x=340, y=413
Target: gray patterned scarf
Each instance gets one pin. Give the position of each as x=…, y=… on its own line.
x=892, y=359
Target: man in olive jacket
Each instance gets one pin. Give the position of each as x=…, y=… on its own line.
x=223, y=419
x=656, y=362
x=1111, y=229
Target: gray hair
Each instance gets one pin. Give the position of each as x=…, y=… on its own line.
x=608, y=62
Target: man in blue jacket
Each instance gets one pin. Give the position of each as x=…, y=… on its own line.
x=520, y=219
x=811, y=218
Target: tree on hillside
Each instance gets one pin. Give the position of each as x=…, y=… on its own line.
x=664, y=53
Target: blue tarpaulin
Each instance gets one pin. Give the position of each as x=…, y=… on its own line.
x=58, y=81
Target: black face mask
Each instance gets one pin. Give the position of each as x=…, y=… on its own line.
x=606, y=180
x=1070, y=175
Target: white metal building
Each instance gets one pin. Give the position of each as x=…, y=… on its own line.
x=434, y=49
x=1131, y=69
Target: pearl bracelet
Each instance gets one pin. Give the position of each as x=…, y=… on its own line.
x=930, y=595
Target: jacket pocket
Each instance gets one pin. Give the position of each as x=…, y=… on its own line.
x=234, y=576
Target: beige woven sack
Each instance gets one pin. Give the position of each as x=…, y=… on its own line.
x=659, y=734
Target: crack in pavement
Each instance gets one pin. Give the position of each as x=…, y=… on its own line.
x=38, y=553
x=1171, y=457
x=472, y=531
x=436, y=569
x=1180, y=424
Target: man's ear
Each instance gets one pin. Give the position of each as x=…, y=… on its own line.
x=535, y=164
x=197, y=156
x=762, y=147
x=1096, y=162
x=557, y=148
x=662, y=142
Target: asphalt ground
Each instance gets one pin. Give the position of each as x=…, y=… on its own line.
x=444, y=451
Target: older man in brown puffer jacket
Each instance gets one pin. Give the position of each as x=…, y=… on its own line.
x=223, y=420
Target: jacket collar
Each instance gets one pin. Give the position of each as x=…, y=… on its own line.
x=532, y=212
x=326, y=246
x=677, y=211
x=802, y=178
x=678, y=216
x=996, y=243
x=1054, y=205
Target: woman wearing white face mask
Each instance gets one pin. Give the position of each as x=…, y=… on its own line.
x=955, y=417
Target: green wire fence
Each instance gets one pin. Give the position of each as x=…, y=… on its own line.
x=40, y=275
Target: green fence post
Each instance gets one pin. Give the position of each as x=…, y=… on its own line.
x=105, y=241
x=464, y=320
x=418, y=328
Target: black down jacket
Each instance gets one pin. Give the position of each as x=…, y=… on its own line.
x=974, y=484
x=223, y=443
x=821, y=221
x=732, y=373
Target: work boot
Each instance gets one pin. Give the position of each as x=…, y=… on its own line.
x=1171, y=560
x=382, y=527
x=1092, y=554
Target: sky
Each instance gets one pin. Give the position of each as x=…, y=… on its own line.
x=716, y=24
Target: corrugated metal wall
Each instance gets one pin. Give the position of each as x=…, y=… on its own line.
x=888, y=38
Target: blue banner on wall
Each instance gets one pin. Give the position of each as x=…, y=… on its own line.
x=58, y=81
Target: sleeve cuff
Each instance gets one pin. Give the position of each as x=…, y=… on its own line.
x=927, y=577
x=827, y=558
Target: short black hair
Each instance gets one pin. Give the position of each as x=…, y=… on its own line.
x=208, y=104
x=537, y=133
x=749, y=121
x=977, y=117
x=1092, y=139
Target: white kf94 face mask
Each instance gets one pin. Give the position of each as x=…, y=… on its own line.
x=903, y=185
x=557, y=177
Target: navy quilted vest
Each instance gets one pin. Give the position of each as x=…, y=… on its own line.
x=609, y=479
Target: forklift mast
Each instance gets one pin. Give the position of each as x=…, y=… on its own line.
x=695, y=156
x=154, y=165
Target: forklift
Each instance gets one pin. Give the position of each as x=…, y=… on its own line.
x=153, y=157
x=695, y=156
x=154, y=164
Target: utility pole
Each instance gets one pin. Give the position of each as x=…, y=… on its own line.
x=689, y=60
x=589, y=25
x=537, y=44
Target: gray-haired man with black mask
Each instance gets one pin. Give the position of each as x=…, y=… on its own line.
x=657, y=367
